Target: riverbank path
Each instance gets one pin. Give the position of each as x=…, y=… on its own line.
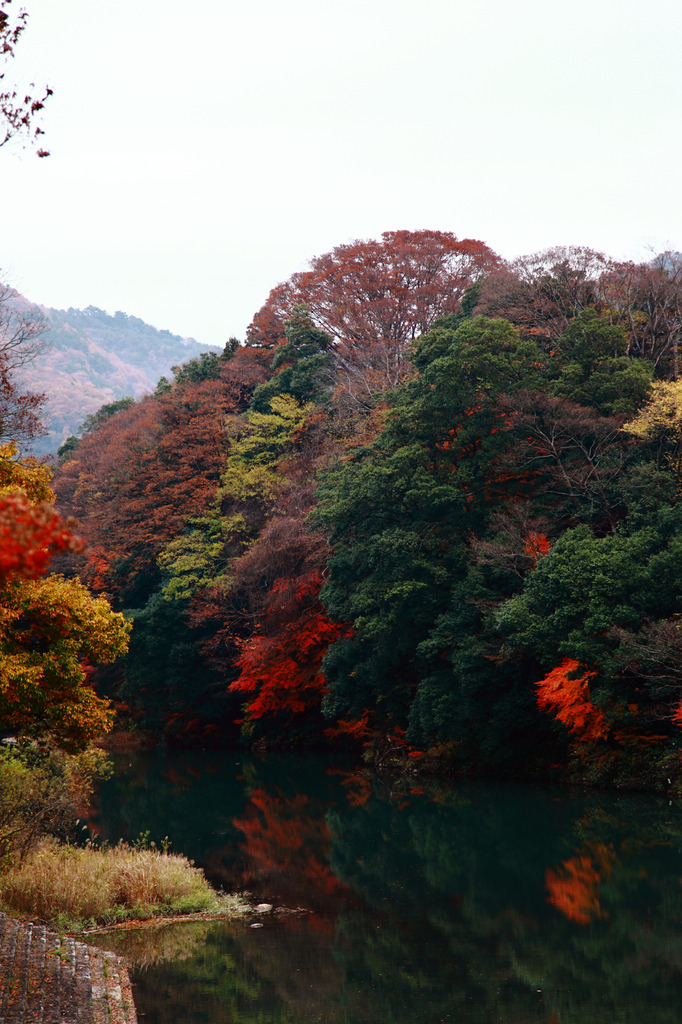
x=50, y=979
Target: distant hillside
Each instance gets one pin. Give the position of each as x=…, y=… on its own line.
x=92, y=358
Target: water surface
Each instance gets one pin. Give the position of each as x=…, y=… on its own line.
x=417, y=903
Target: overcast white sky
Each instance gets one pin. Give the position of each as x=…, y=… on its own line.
x=202, y=152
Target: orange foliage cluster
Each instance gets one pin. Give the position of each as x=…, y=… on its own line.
x=573, y=887
x=536, y=546
x=565, y=694
x=48, y=624
x=284, y=670
x=357, y=729
x=30, y=535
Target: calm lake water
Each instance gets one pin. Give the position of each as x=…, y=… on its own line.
x=421, y=903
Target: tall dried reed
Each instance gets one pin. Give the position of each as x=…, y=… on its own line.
x=85, y=886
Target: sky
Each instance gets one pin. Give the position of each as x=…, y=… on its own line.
x=201, y=153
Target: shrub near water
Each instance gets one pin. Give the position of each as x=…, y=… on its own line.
x=77, y=887
x=42, y=792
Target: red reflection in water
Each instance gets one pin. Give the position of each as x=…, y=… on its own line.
x=286, y=844
x=573, y=887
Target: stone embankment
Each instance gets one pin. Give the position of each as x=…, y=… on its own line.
x=50, y=979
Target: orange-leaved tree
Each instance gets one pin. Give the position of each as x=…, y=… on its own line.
x=48, y=624
x=137, y=478
x=368, y=291
x=564, y=692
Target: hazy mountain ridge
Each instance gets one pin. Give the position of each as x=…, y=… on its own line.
x=92, y=358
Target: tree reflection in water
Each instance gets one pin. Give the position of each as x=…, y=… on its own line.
x=472, y=903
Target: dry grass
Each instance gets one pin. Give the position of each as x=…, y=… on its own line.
x=78, y=888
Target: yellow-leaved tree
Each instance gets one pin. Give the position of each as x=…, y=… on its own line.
x=51, y=627
x=660, y=422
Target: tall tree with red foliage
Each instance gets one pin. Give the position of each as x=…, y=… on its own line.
x=374, y=297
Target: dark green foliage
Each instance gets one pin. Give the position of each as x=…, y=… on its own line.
x=595, y=599
x=300, y=363
x=231, y=347
x=594, y=370
x=169, y=689
x=471, y=697
x=206, y=366
x=104, y=413
x=454, y=611
x=66, y=450
x=401, y=514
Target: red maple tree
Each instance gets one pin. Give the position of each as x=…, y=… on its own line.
x=281, y=669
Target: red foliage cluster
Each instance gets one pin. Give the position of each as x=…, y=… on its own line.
x=565, y=693
x=30, y=536
x=136, y=480
x=536, y=546
x=573, y=887
x=281, y=670
x=375, y=297
x=372, y=291
x=285, y=841
x=358, y=730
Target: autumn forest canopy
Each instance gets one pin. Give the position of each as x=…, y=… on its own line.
x=428, y=509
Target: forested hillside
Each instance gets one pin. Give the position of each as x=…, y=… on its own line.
x=429, y=508
x=90, y=359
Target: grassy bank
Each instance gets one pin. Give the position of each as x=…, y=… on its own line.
x=79, y=888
